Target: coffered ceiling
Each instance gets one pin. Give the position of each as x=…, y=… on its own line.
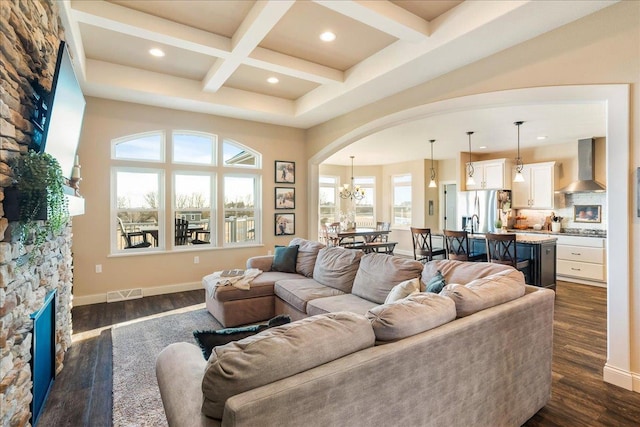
x=219, y=54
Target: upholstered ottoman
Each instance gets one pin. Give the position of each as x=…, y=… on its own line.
x=234, y=307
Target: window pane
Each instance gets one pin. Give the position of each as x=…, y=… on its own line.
x=143, y=147
x=402, y=199
x=193, y=148
x=137, y=230
x=239, y=209
x=235, y=155
x=137, y=190
x=192, y=191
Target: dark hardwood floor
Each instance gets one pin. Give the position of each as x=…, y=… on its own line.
x=81, y=394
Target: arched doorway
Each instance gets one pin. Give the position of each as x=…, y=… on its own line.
x=617, y=370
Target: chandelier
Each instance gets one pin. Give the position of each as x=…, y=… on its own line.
x=470, y=180
x=518, y=177
x=355, y=192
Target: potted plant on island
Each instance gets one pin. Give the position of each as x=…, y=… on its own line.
x=39, y=192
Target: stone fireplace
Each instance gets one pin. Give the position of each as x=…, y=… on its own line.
x=30, y=33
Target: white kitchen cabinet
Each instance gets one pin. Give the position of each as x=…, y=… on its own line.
x=537, y=190
x=491, y=175
x=582, y=259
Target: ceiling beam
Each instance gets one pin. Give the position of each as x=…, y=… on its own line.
x=384, y=16
x=262, y=17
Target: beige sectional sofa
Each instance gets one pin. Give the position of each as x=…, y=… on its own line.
x=479, y=353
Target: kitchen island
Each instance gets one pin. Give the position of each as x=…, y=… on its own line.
x=539, y=250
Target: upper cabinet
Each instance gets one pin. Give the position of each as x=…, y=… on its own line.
x=536, y=192
x=491, y=175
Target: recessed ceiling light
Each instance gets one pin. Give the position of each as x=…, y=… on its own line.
x=327, y=36
x=540, y=138
x=156, y=52
x=273, y=80
x=483, y=147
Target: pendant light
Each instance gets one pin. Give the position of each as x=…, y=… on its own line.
x=432, y=183
x=355, y=192
x=470, y=180
x=518, y=177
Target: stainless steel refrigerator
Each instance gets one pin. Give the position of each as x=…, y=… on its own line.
x=480, y=209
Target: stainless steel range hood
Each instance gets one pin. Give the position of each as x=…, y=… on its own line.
x=585, y=182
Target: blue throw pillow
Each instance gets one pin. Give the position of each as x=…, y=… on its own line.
x=285, y=258
x=436, y=283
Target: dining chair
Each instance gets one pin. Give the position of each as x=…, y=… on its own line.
x=181, y=232
x=422, y=245
x=502, y=249
x=457, y=246
x=133, y=239
x=331, y=233
x=383, y=226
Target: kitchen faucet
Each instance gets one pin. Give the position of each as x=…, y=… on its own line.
x=477, y=221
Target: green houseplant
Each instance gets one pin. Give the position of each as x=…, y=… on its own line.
x=39, y=183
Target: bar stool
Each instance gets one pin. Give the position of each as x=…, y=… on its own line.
x=422, y=246
x=501, y=249
x=457, y=246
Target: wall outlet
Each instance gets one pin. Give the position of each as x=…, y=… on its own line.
x=98, y=268
x=196, y=260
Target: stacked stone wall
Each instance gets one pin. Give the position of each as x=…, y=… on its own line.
x=30, y=33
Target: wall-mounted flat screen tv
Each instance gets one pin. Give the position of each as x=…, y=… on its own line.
x=64, y=113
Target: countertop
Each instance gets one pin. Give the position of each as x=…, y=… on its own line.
x=521, y=238
x=564, y=232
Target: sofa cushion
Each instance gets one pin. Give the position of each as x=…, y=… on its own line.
x=436, y=283
x=267, y=357
x=403, y=290
x=307, y=254
x=410, y=316
x=486, y=292
x=337, y=267
x=261, y=286
x=298, y=292
x=378, y=273
x=461, y=271
x=284, y=259
x=346, y=302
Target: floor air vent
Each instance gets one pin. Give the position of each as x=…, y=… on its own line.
x=124, y=294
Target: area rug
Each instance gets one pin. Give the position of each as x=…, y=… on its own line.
x=136, y=344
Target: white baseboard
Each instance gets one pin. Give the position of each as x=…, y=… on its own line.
x=581, y=281
x=156, y=290
x=621, y=378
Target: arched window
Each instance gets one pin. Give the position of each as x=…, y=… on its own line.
x=171, y=202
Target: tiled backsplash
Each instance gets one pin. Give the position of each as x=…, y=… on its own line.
x=565, y=208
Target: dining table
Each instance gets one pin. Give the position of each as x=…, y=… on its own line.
x=365, y=235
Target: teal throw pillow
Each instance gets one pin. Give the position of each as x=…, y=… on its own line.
x=285, y=258
x=436, y=283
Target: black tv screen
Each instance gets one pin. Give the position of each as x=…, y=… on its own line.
x=65, y=113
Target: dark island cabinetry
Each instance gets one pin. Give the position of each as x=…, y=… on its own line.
x=539, y=250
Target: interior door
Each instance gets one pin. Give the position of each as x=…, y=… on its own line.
x=450, y=206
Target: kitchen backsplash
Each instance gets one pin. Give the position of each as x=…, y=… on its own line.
x=565, y=208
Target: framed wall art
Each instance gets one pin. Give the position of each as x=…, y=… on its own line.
x=285, y=198
x=285, y=172
x=285, y=224
x=587, y=213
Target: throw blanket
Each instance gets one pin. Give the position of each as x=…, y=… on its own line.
x=240, y=279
